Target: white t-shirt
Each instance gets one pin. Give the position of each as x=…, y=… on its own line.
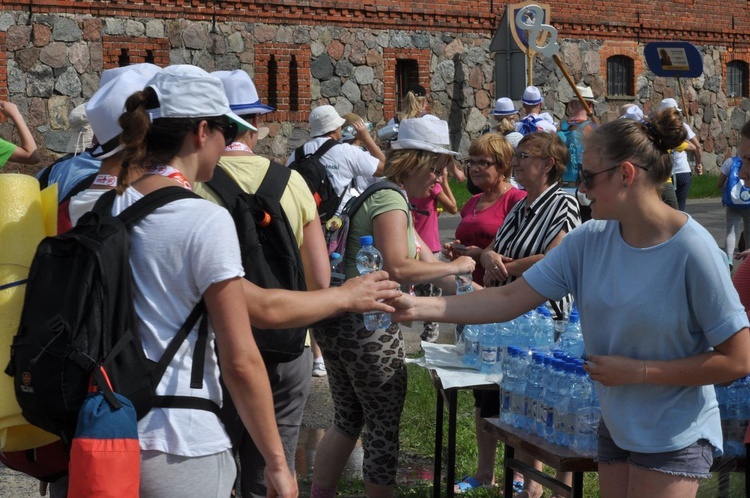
x=344, y=162
x=680, y=159
x=175, y=257
x=544, y=122
x=83, y=202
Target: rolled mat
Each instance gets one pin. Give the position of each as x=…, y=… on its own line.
x=26, y=217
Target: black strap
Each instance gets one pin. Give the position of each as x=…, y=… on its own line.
x=274, y=183
x=187, y=402
x=157, y=372
x=299, y=154
x=142, y=207
x=199, y=355
x=353, y=206
x=80, y=187
x=224, y=186
x=44, y=177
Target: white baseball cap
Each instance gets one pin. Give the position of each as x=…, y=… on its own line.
x=667, y=103
x=186, y=91
x=241, y=93
x=324, y=119
x=105, y=107
x=145, y=69
x=504, y=107
x=426, y=133
x=532, y=96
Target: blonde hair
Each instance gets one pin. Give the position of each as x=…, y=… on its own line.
x=504, y=125
x=400, y=163
x=494, y=145
x=412, y=106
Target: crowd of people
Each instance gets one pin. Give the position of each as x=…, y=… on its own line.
x=522, y=237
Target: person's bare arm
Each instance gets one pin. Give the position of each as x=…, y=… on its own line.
x=26, y=152
x=446, y=198
x=315, y=256
x=244, y=373
x=280, y=308
x=363, y=134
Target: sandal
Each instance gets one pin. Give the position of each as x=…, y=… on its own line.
x=468, y=484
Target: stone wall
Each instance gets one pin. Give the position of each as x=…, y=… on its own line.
x=54, y=62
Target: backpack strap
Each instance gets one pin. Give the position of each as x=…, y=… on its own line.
x=80, y=187
x=224, y=186
x=299, y=153
x=143, y=207
x=274, y=183
x=357, y=202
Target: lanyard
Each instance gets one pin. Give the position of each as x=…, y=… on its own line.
x=105, y=181
x=238, y=146
x=169, y=172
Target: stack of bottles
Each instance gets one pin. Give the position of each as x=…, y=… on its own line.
x=734, y=406
x=543, y=388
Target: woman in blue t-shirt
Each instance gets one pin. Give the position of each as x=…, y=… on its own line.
x=661, y=321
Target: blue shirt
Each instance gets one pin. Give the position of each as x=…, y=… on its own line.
x=70, y=172
x=669, y=301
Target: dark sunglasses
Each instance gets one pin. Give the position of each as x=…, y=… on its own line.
x=228, y=129
x=587, y=178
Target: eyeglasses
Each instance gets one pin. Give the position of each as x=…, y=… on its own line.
x=525, y=155
x=228, y=129
x=588, y=178
x=479, y=164
x=437, y=171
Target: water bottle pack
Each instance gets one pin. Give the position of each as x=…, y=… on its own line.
x=370, y=260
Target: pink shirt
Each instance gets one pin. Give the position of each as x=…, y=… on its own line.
x=426, y=225
x=478, y=228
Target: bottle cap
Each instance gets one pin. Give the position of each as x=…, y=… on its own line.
x=365, y=240
x=335, y=255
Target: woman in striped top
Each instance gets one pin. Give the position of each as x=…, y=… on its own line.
x=537, y=223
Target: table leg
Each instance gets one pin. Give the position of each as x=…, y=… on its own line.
x=450, y=474
x=509, y=454
x=437, y=467
x=577, y=491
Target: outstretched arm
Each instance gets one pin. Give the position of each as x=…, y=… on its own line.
x=279, y=308
x=27, y=152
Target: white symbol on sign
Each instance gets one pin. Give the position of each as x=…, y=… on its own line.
x=529, y=19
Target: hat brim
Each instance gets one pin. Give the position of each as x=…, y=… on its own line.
x=242, y=125
x=99, y=153
x=420, y=145
x=254, y=108
x=532, y=102
x=263, y=132
x=504, y=113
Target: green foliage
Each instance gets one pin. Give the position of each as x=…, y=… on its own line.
x=459, y=192
x=704, y=186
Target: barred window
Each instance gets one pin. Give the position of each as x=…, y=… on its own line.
x=407, y=75
x=737, y=79
x=620, y=77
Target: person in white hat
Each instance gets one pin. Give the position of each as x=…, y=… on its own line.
x=175, y=130
x=682, y=175
x=505, y=115
x=344, y=162
x=372, y=392
x=290, y=380
x=534, y=119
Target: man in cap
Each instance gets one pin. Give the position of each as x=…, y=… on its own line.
x=682, y=175
x=534, y=120
x=343, y=162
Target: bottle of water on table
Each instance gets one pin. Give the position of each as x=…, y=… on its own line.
x=370, y=260
x=471, y=346
x=464, y=283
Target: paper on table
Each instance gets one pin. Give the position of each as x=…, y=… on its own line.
x=447, y=363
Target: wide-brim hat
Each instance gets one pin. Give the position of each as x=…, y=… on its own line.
x=633, y=112
x=324, y=119
x=241, y=93
x=669, y=103
x=426, y=133
x=186, y=91
x=145, y=69
x=532, y=96
x=504, y=107
x=106, y=106
x=586, y=92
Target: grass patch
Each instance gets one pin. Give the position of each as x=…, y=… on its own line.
x=459, y=192
x=703, y=187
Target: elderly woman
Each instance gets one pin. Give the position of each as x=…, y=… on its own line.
x=366, y=369
x=531, y=229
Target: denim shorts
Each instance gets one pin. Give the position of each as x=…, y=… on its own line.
x=693, y=461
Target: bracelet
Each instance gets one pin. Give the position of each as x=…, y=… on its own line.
x=645, y=372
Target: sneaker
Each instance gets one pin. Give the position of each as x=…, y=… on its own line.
x=431, y=332
x=319, y=369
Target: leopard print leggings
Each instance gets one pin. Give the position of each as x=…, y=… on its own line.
x=367, y=377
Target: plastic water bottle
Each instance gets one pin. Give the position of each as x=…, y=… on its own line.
x=534, y=389
x=464, y=283
x=388, y=133
x=552, y=397
x=587, y=417
x=510, y=378
x=518, y=396
x=561, y=414
x=525, y=330
x=471, y=346
x=337, y=270
x=571, y=341
x=488, y=344
x=544, y=335
x=369, y=260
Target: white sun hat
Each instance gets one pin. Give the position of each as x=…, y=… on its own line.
x=241, y=93
x=105, y=108
x=669, y=103
x=324, y=119
x=186, y=91
x=504, y=107
x=145, y=69
x=532, y=96
x=428, y=133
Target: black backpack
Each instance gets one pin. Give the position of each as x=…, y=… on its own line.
x=269, y=250
x=316, y=176
x=78, y=314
